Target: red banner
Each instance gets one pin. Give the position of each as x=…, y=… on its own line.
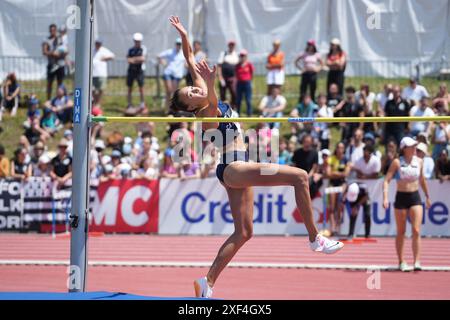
x=126, y=206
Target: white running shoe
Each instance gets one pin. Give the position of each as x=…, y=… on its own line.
x=417, y=266
x=403, y=266
x=202, y=289
x=325, y=245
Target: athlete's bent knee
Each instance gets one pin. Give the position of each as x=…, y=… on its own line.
x=301, y=177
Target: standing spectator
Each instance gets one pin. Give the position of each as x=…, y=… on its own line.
x=383, y=97
x=443, y=166
x=56, y=59
x=357, y=195
x=199, y=55
x=397, y=107
x=336, y=62
x=20, y=168
x=389, y=156
x=226, y=66
x=4, y=163
x=333, y=96
x=306, y=157
x=42, y=168
x=305, y=109
x=368, y=166
x=61, y=166
x=62, y=105
x=365, y=93
x=355, y=150
x=273, y=105
x=349, y=107
x=244, y=76
x=11, y=93
x=168, y=169
x=337, y=171
x=322, y=128
x=310, y=64
x=422, y=110
x=100, y=69
x=442, y=100
x=275, y=67
x=414, y=92
x=428, y=163
x=188, y=170
x=440, y=138
x=174, y=69
x=136, y=66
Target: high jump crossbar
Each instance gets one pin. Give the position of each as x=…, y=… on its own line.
x=270, y=119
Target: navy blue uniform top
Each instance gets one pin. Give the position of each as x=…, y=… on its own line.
x=136, y=52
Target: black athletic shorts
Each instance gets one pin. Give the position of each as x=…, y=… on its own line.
x=406, y=200
x=58, y=74
x=229, y=158
x=135, y=75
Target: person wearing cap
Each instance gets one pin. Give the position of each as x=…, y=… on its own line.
x=244, y=76
x=61, y=105
x=199, y=55
x=174, y=69
x=309, y=63
x=275, y=66
x=421, y=110
x=100, y=69
x=414, y=92
x=226, y=65
x=42, y=169
x=428, y=162
x=336, y=62
x=407, y=170
x=11, y=93
x=355, y=196
x=136, y=57
x=397, y=107
x=61, y=165
x=56, y=61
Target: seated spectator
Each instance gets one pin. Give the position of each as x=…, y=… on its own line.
x=305, y=109
x=355, y=150
x=168, y=168
x=349, y=107
x=61, y=172
x=422, y=110
x=333, y=96
x=35, y=133
x=127, y=150
x=37, y=151
x=11, y=93
x=49, y=121
x=414, y=92
x=384, y=97
x=273, y=106
x=322, y=130
x=397, y=107
x=428, y=163
x=20, y=168
x=188, y=170
x=147, y=169
x=116, y=156
x=440, y=138
x=34, y=111
x=443, y=166
x=62, y=105
x=145, y=152
x=68, y=135
x=108, y=173
x=390, y=155
x=284, y=155
x=442, y=100
x=4, y=163
x=365, y=93
x=42, y=168
x=369, y=165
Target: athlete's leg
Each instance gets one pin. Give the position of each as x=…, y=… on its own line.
x=244, y=174
x=416, y=214
x=400, y=220
x=241, y=204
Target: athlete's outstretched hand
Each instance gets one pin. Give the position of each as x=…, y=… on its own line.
x=175, y=21
x=208, y=74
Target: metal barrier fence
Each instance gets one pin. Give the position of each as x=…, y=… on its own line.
x=31, y=71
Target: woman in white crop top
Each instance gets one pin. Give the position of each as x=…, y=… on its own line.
x=408, y=171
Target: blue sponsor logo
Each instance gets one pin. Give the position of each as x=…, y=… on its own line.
x=77, y=105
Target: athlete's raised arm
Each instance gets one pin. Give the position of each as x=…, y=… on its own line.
x=187, y=52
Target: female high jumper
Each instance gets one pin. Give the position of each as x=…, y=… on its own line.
x=236, y=174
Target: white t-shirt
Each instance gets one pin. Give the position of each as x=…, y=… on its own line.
x=414, y=94
x=354, y=153
x=230, y=57
x=420, y=126
x=175, y=62
x=428, y=167
x=99, y=67
x=367, y=168
x=272, y=103
x=370, y=98
x=382, y=99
